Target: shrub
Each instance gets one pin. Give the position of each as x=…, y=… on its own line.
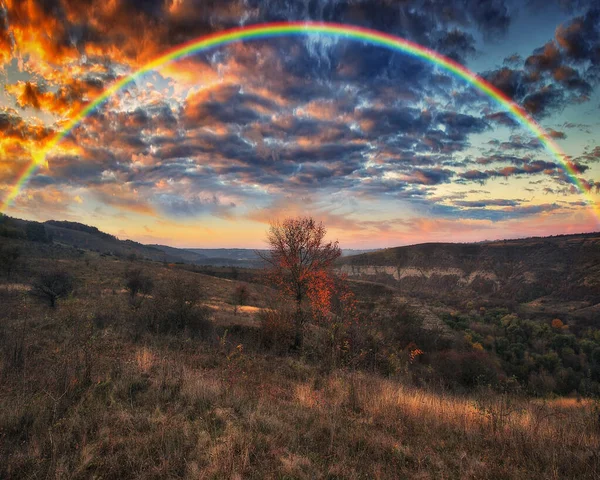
x=541, y=383
x=277, y=329
x=467, y=369
x=176, y=307
x=9, y=256
x=136, y=281
x=241, y=295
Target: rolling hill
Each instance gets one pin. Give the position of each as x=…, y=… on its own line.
x=565, y=267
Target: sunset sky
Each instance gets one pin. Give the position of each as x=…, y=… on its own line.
x=384, y=148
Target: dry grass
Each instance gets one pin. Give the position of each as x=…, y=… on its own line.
x=83, y=398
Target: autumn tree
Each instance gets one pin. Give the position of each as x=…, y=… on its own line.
x=300, y=262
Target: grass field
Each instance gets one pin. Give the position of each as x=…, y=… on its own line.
x=84, y=394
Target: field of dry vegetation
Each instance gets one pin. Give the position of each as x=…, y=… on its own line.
x=99, y=387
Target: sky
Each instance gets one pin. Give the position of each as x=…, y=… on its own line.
x=383, y=148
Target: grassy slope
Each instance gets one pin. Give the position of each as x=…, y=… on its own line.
x=81, y=396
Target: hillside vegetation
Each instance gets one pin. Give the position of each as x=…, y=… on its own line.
x=147, y=369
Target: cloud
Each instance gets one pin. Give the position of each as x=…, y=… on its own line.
x=225, y=104
x=194, y=206
x=501, y=214
x=251, y=123
x=487, y=203
x=561, y=72
x=528, y=168
x=428, y=177
x=556, y=134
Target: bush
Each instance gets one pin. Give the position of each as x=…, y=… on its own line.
x=175, y=307
x=136, y=281
x=277, y=329
x=466, y=369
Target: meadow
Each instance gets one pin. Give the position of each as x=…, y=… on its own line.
x=93, y=389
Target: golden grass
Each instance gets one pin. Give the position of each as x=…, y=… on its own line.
x=91, y=400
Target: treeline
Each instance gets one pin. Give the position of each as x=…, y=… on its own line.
x=80, y=227
x=23, y=229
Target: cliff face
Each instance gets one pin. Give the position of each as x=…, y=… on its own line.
x=566, y=267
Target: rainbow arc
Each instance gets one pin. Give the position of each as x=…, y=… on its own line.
x=272, y=30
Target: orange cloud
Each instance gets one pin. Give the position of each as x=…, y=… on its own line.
x=67, y=100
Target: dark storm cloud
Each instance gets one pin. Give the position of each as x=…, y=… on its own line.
x=475, y=175
x=77, y=171
x=578, y=167
x=544, y=101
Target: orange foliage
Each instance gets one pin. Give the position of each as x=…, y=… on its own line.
x=557, y=324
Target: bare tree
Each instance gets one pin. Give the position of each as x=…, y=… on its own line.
x=297, y=257
x=53, y=285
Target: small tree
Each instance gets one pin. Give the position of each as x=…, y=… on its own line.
x=9, y=256
x=240, y=296
x=136, y=281
x=300, y=262
x=53, y=285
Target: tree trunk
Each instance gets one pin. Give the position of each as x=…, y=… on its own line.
x=299, y=324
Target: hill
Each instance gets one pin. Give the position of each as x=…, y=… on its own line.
x=185, y=383
x=565, y=267
x=87, y=237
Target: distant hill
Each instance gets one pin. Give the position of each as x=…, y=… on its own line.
x=565, y=266
x=90, y=238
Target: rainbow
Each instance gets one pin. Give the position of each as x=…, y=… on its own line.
x=271, y=30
